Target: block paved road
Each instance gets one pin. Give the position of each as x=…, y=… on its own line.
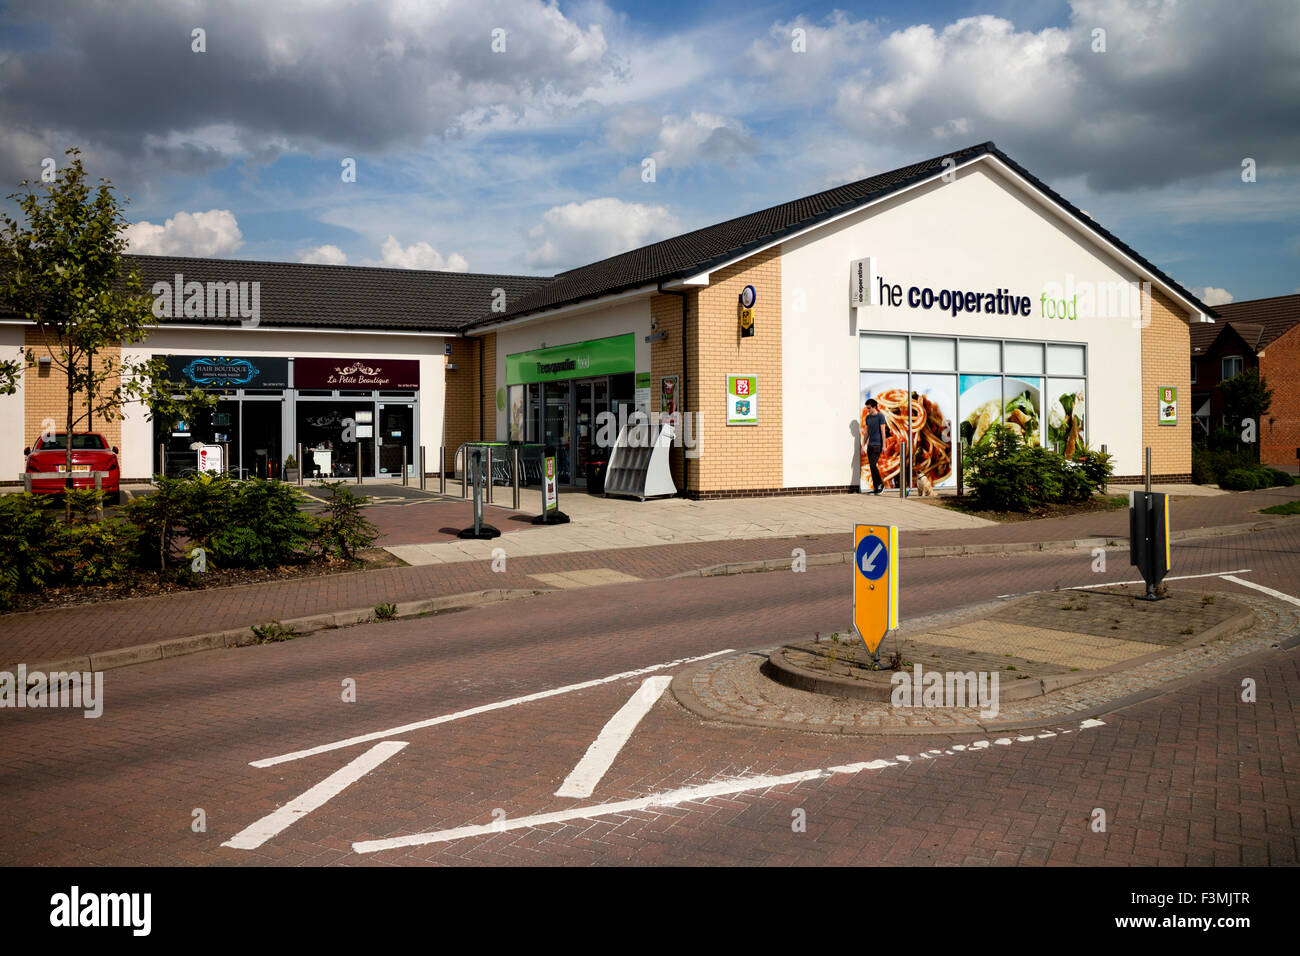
x=1196, y=776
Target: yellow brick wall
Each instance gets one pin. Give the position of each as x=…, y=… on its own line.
x=45, y=395
x=489, y=420
x=462, y=392
x=1166, y=360
x=736, y=457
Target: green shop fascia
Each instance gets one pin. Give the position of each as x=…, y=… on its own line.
x=556, y=396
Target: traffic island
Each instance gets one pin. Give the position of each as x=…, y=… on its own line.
x=1028, y=662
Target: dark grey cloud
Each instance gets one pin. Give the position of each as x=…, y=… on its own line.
x=122, y=79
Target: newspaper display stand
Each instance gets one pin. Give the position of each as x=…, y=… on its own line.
x=638, y=463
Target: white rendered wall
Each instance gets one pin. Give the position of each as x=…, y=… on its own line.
x=977, y=234
x=12, y=412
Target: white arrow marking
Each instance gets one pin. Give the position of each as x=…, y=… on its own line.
x=869, y=565
x=254, y=835
x=473, y=711
x=669, y=798
x=581, y=782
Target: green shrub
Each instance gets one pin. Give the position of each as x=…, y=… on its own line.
x=264, y=527
x=160, y=516
x=1004, y=474
x=1209, y=467
x=94, y=553
x=1245, y=479
x=1281, y=479
x=28, y=529
x=342, y=530
x=253, y=524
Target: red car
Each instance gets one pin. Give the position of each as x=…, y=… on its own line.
x=47, y=464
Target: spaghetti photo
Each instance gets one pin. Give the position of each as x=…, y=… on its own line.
x=921, y=417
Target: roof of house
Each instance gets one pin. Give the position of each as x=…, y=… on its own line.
x=302, y=295
x=703, y=249
x=1258, y=321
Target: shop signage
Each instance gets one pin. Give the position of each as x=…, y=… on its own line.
x=668, y=403
x=1168, y=399
x=227, y=371
x=610, y=356
x=862, y=283
x=351, y=373
x=552, y=500
x=210, y=459
x=875, y=582
x=742, y=403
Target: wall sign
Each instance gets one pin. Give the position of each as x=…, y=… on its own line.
x=1167, y=396
x=742, y=403
x=227, y=371
x=862, y=283
x=668, y=399
x=352, y=373
x=609, y=356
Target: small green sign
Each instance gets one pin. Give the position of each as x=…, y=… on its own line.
x=1167, y=397
x=742, y=402
x=610, y=356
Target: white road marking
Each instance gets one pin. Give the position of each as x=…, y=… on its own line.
x=1111, y=584
x=1259, y=587
x=473, y=711
x=254, y=835
x=666, y=799
x=582, y=780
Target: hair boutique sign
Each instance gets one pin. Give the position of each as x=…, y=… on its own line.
x=350, y=373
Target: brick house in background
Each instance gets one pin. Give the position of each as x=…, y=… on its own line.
x=1259, y=333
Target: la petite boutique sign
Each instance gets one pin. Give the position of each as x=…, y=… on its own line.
x=347, y=373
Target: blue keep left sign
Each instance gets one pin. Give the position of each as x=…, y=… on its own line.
x=872, y=558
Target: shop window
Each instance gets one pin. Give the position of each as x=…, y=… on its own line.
x=1064, y=359
x=980, y=355
x=938, y=355
x=1232, y=366
x=882, y=351
x=1193, y=373
x=1023, y=357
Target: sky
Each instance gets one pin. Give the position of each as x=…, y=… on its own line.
x=526, y=137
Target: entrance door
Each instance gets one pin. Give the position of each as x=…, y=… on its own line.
x=591, y=401
x=395, y=440
x=260, y=438
x=557, y=416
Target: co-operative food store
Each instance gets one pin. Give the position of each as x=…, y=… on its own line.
x=960, y=290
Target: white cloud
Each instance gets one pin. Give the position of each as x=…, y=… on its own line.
x=418, y=255
x=1212, y=296
x=211, y=233
x=578, y=233
x=327, y=255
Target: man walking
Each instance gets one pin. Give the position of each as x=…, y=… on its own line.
x=873, y=425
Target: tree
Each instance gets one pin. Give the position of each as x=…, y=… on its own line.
x=1246, y=396
x=63, y=271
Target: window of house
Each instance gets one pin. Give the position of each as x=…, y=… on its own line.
x=1232, y=366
